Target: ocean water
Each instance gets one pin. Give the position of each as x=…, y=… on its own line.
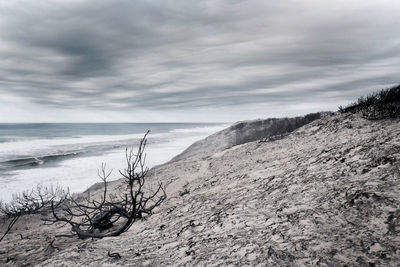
x=70, y=154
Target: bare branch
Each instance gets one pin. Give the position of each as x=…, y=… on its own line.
x=112, y=214
x=30, y=202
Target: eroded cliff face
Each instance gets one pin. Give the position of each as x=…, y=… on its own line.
x=328, y=194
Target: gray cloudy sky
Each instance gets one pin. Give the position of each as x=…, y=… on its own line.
x=191, y=60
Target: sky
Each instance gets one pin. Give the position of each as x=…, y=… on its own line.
x=191, y=60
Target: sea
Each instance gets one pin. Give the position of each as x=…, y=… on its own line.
x=70, y=154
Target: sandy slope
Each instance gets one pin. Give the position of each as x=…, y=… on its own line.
x=246, y=131
x=328, y=194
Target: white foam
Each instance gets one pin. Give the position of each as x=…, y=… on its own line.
x=81, y=172
x=209, y=129
x=45, y=147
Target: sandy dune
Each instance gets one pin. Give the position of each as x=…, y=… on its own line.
x=328, y=194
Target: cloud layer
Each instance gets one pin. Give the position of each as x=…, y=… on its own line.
x=164, y=60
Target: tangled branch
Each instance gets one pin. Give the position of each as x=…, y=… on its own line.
x=30, y=202
x=109, y=214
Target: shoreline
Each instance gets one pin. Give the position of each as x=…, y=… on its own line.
x=261, y=202
x=79, y=171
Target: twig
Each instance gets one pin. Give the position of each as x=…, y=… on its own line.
x=115, y=255
x=9, y=227
x=52, y=245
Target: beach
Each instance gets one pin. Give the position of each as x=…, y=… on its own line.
x=70, y=155
x=314, y=195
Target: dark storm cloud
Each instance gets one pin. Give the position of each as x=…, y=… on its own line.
x=183, y=55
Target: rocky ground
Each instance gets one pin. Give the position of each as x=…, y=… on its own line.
x=328, y=194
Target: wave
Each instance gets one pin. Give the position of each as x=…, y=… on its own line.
x=36, y=161
x=201, y=129
x=9, y=139
x=44, y=147
x=73, y=162
x=15, y=148
x=22, y=154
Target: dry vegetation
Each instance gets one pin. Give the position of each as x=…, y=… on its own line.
x=92, y=216
x=383, y=104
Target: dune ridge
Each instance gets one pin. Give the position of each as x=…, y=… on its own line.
x=327, y=194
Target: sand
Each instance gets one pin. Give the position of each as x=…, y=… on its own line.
x=327, y=194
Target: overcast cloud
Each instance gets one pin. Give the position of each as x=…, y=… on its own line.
x=190, y=60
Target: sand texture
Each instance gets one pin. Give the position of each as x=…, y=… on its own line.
x=327, y=194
